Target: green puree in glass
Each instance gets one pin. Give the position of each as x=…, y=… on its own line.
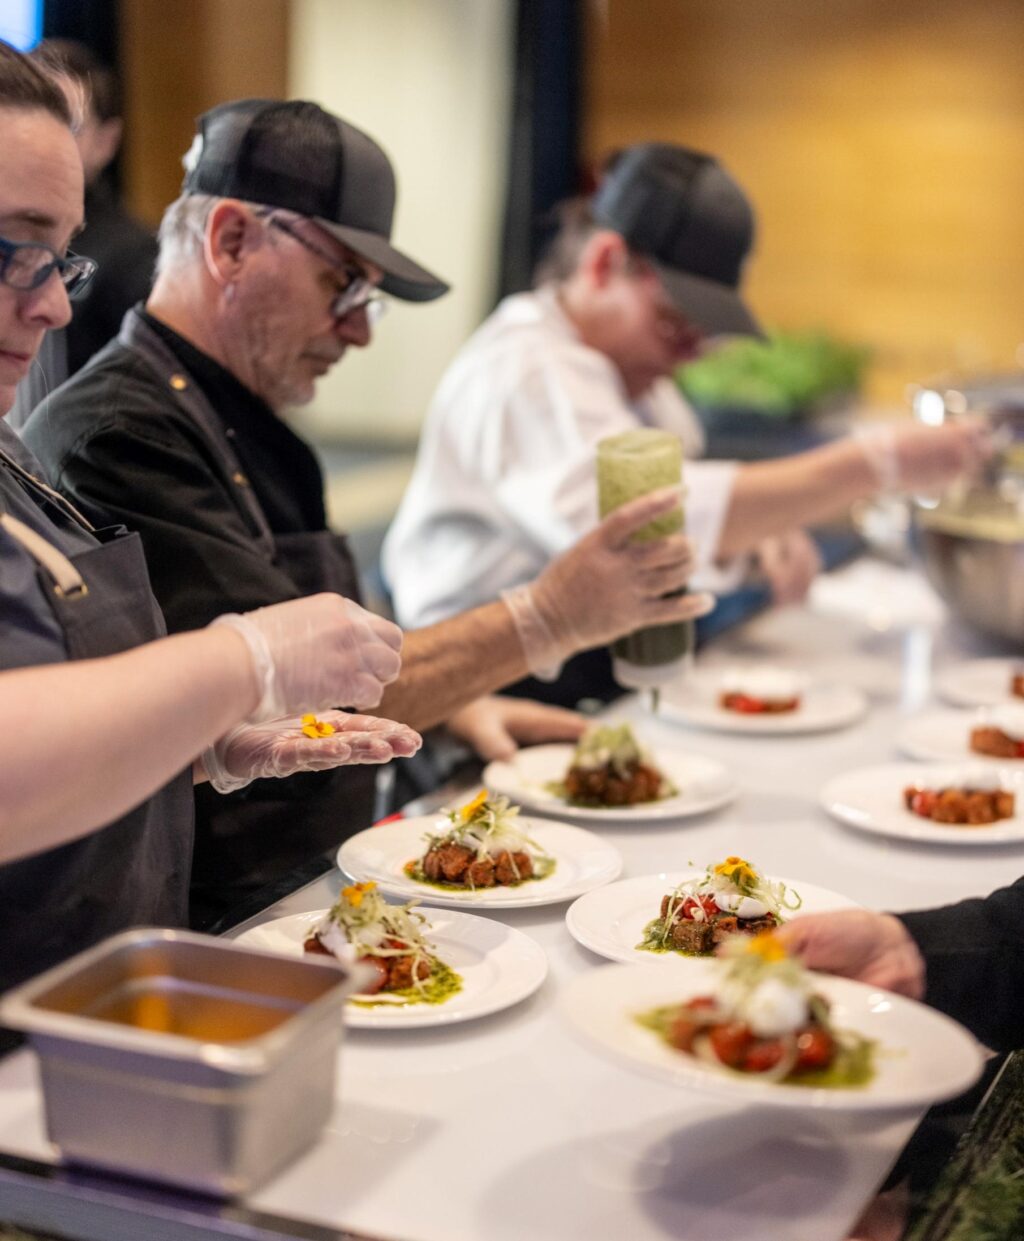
x=630, y=465
x=442, y=984
x=542, y=868
x=852, y=1068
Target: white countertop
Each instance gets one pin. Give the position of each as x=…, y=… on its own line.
x=508, y=1128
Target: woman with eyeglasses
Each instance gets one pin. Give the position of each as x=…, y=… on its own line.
x=104, y=721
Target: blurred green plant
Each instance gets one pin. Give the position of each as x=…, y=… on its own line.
x=791, y=375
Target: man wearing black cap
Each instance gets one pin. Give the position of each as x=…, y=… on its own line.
x=272, y=263
x=637, y=279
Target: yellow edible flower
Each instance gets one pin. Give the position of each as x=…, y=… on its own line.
x=312, y=727
x=766, y=945
x=471, y=807
x=354, y=892
x=736, y=869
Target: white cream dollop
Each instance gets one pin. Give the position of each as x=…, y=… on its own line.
x=336, y=941
x=1008, y=718
x=774, y=1008
x=742, y=906
x=768, y=683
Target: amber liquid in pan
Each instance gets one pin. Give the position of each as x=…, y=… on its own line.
x=167, y=1006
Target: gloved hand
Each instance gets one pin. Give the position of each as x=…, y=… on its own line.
x=321, y=651
x=790, y=562
x=495, y=726
x=911, y=456
x=280, y=748
x=606, y=586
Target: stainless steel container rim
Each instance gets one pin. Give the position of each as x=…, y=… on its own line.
x=19, y=1010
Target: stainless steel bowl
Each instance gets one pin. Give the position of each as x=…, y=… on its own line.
x=971, y=542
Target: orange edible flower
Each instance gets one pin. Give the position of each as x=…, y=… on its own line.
x=470, y=808
x=766, y=945
x=312, y=727
x=354, y=893
x=736, y=869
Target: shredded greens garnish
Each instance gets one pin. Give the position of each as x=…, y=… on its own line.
x=489, y=825
x=734, y=878
x=369, y=922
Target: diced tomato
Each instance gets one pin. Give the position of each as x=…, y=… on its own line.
x=730, y=1042
x=763, y=1055
x=923, y=803
x=683, y=1031
x=693, y=903
x=815, y=1049
x=392, y=942
x=372, y=987
x=745, y=704
x=702, y=1001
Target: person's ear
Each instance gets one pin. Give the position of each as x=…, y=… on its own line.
x=230, y=234
x=604, y=256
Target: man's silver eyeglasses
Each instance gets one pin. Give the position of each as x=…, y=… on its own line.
x=28, y=265
x=359, y=293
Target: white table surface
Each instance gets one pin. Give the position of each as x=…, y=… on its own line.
x=508, y=1128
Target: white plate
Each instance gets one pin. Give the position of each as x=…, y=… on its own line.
x=704, y=784
x=921, y=1055
x=499, y=967
x=979, y=682
x=611, y=920
x=942, y=736
x=871, y=798
x=584, y=861
x=694, y=701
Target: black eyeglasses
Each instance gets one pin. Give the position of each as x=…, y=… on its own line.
x=27, y=265
x=358, y=294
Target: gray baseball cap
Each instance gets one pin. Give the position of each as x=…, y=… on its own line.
x=682, y=211
x=296, y=156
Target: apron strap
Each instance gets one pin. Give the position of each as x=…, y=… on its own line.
x=68, y=582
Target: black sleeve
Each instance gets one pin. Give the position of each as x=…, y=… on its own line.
x=203, y=556
x=974, y=952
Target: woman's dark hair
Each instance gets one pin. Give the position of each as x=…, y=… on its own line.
x=25, y=85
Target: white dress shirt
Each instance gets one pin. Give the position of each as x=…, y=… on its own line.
x=505, y=476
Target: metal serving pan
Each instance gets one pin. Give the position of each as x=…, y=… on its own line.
x=183, y=1058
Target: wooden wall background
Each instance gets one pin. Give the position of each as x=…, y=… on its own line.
x=180, y=57
x=883, y=144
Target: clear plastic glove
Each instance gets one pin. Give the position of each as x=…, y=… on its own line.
x=280, y=748
x=321, y=651
x=869, y=947
x=497, y=726
x=790, y=562
x=606, y=586
x=913, y=457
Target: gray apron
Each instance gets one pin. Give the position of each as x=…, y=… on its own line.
x=135, y=870
x=255, y=837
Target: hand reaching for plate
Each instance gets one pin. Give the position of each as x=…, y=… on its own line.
x=869, y=947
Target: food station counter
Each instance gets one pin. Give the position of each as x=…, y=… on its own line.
x=509, y=1125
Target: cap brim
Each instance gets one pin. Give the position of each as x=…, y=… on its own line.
x=402, y=277
x=717, y=309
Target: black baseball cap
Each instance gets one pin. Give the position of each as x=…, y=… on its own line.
x=682, y=211
x=298, y=157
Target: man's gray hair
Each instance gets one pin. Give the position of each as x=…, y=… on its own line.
x=181, y=231
x=576, y=225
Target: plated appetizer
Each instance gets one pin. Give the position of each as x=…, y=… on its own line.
x=609, y=768
x=1003, y=735
x=730, y=898
x=482, y=846
x=764, y=1019
x=362, y=927
x=978, y=802
x=760, y=691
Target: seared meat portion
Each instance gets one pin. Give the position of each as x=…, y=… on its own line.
x=604, y=786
